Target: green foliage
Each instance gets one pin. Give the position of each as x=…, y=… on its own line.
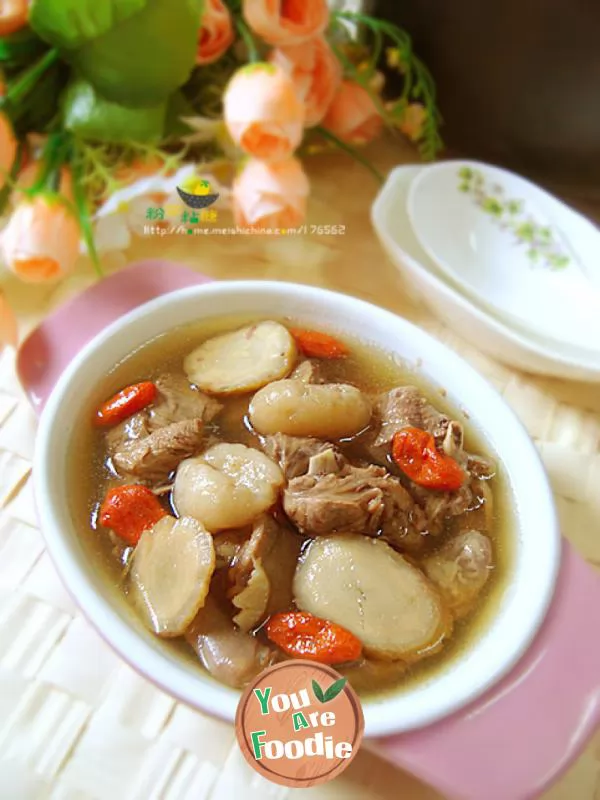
x=134, y=52
x=68, y=24
x=19, y=49
x=147, y=57
x=90, y=116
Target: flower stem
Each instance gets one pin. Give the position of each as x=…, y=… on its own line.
x=9, y=184
x=83, y=211
x=351, y=151
x=249, y=40
x=29, y=78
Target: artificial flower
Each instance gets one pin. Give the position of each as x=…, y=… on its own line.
x=216, y=32
x=263, y=113
x=13, y=15
x=8, y=148
x=29, y=174
x=316, y=73
x=286, y=22
x=41, y=241
x=270, y=195
x=8, y=323
x=413, y=120
x=353, y=116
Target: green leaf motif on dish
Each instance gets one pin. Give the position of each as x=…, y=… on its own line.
x=511, y=214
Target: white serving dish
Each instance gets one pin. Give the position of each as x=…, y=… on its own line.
x=511, y=247
x=537, y=551
x=423, y=277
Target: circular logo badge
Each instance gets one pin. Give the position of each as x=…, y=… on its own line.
x=299, y=723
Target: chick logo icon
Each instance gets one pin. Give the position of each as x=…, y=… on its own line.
x=197, y=194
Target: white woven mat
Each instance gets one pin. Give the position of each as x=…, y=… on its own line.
x=75, y=722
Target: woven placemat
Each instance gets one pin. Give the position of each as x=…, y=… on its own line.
x=75, y=722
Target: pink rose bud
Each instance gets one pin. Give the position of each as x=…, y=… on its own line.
x=216, y=32
x=270, y=195
x=353, y=116
x=263, y=113
x=41, y=241
x=286, y=22
x=316, y=73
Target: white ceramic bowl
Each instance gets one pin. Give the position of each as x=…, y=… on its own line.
x=523, y=604
x=422, y=277
x=486, y=257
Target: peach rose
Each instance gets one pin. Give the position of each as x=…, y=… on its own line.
x=28, y=176
x=413, y=121
x=13, y=15
x=8, y=148
x=270, y=195
x=316, y=73
x=263, y=113
x=285, y=22
x=41, y=241
x=8, y=323
x=353, y=116
x=216, y=32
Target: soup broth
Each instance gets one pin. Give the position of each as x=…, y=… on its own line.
x=374, y=373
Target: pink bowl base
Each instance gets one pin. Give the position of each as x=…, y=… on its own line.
x=523, y=733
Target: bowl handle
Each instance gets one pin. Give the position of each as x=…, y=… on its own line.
x=520, y=736
x=49, y=348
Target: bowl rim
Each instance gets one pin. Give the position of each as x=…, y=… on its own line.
x=167, y=672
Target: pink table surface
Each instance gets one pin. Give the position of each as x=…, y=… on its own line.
x=511, y=743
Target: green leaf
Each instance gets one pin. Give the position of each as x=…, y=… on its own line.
x=68, y=24
x=318, y=692
x=91, y=116
x=145, y=58
x=40, y=108
x=179, y=106
x=19, y=49
x=335, y=689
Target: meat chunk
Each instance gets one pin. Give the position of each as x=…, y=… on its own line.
x=263, y=571
x=231, y=656
x=460, y=570
x=372, y=591
x=176, y=401
x=292, y=453
x=406, y=407
x=308, y=371
x=154, y=457
x=326, y=463
x=130, y=430
x=363, y=500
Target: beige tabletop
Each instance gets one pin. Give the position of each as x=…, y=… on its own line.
x=76, y=723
